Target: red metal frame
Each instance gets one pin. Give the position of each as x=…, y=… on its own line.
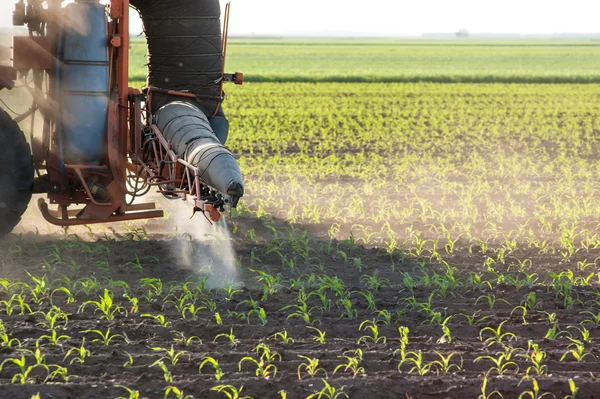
x=128, y=156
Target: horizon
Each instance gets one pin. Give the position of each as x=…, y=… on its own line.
x=389, y=18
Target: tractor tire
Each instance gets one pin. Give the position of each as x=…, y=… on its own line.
x=16, y=173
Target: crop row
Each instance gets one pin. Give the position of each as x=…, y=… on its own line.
x=363, y=60
x=413, y=309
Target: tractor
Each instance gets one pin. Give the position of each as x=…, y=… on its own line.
x=100, y=144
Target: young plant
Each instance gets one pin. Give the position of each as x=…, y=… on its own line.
x=215, y=365
x=170, y=354
x=105, y=337
x=230, y=337
x=502, y=363
x=283, y=336
x=105, y=305
x=444, y=364
x=352, y=364
x=535, y=356
x=416, y=358
x=497, y=336
x=320, y=337
x=311, y=366
x=167, y=375
x=484, y=394
x=328, y=392
x=264, y=368
x=178, y=393
x=230, y=391
x=374, y=337
x=535, y=392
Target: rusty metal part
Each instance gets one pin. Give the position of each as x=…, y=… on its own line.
x=32, y=52
x=61, y=218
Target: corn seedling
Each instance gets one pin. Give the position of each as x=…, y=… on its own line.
x=283, y=336
x=230, y=391
x=502, y=363
x=328, y=392
x=105, y=337
x=105, y=305
x=311, y=366
x=263, y=369
x=230, y=337
x=215, y=365
x=320, y=337
x=374, y=337
x=352, y=364
x=497, y=336
x=534, y=393
x=177, y=393
x=169, y=354
x=444, y=364
x=167, y=375
x=484, y=394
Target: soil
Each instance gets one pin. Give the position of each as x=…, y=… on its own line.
x=101, y=373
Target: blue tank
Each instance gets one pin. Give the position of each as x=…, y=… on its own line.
x=84, y=81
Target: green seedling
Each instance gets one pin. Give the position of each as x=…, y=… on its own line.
x=416, y=358
x=320, y=337
x=474, y=318
x=375, y=282
x=491, y=300
x=535, y=356
x=497, y=336
x=374, y=337
x=176, y=392
x=230, y=391
x=215, y=365
x=169, y=354
x=264, y=368
x=328, y=392
x=133, y=394
x=105, y=337
x=129, y=361
x=352, y=364
x=162, y=321
x=578, y=352
x=502, y=363
x=573, y=388
x=187, y=341
x=484, y=394
x=535, y=392
x=23, y=377
x=105, y=305
x=444, y=364
x=64, y=290
x=55, y=338
x=283, y=336
x=167, y=375
x=230, y=337
x=311, y=366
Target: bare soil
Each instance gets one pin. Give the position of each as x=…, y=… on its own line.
x=98, y=376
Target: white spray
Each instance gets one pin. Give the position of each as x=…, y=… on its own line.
x=202, y=246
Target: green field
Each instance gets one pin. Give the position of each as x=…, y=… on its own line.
x=421, y=219
x=386, y=60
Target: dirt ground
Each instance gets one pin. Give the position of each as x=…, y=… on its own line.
x=380, y=377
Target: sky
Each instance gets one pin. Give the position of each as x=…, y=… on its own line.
x=399, y=17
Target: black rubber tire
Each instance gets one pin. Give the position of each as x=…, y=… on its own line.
x=16, y=173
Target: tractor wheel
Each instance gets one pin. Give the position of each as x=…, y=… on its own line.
x=16, y=173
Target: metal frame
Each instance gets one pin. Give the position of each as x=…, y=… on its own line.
x=136, y=148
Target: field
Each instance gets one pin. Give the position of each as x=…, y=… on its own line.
x=416, y=227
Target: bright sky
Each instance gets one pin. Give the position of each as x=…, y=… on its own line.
x=400, y=17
